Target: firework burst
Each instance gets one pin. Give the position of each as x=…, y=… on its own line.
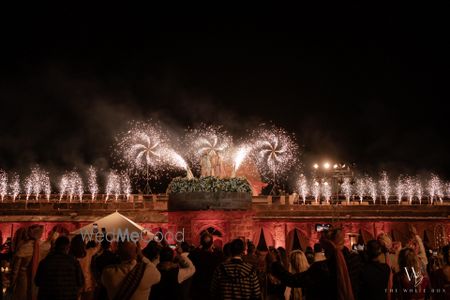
x=239, y=157
x=274, y=152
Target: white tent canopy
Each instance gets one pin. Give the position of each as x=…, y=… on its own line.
x=113, y=223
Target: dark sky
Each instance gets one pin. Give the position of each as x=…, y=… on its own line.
x=364, y=85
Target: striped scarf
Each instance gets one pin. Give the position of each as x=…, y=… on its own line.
x=131, y=282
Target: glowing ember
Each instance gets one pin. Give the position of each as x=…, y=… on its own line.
x=92, y=182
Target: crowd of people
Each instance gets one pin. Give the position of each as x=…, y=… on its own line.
x=63, y=268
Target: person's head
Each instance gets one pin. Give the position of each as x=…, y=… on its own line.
x=184, y=246
x=227, y=250
x=408, y=259
x=77, y=246
x=385, y=242
x=332, y=240
x=91, y=244
x=105, y=244
x=446, y=254
x=298, y=261
x=318, y=248
x=166, y=254
x=127, y=250
x=413, y=244
x=206, y=240
x=237, y=247
x=309, y=250
x=35, y=232
x=62, y=245
x=251, y=249
x=152, y=250
x=373, y=249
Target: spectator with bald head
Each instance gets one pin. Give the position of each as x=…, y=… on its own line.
x=133, y=277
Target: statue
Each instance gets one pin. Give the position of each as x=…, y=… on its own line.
x=211, y=164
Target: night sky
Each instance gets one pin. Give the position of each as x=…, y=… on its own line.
x=360, y=85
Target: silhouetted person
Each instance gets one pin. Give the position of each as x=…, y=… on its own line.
x=100, y=261
x=59, y=275
x=374, y=275
x=235, y=279
x=205, y=261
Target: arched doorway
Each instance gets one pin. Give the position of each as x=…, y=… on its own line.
x=263, y=239
x=296, y=240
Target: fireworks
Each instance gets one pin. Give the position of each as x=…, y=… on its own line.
x=274, y=151
x=239, y=156
x=113, y=185
x=15, y=186
x=371, y=188
x=92, y=182
x=125, y=185
x=400, y=189
x=410, y=188
x=3, y=184
x=38, y=181
x=315, y=189
x=326, y=191
x=209, y=148
x=175, y=159
x=346, y=188
x=434, y=188
x=143, y=147
x=385, y=187
x=360, y=188
x=303, y=187
x=418, y=190
x=71, y=185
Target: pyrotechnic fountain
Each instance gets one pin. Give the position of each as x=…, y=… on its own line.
x=71, y=185
x=360, y=188
x=92, y=182
x=410, y=186
x=3, y=184
x=38, y=181
x=113, y=185
x=400, y=189
x=346, y=188
x=125, y=184
x=303, y=187
x=385, y=188
x=418, y=190
x=434, y=188
x=15, y=186
x=315, y=189
x=371, y=188
x=326, y=191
